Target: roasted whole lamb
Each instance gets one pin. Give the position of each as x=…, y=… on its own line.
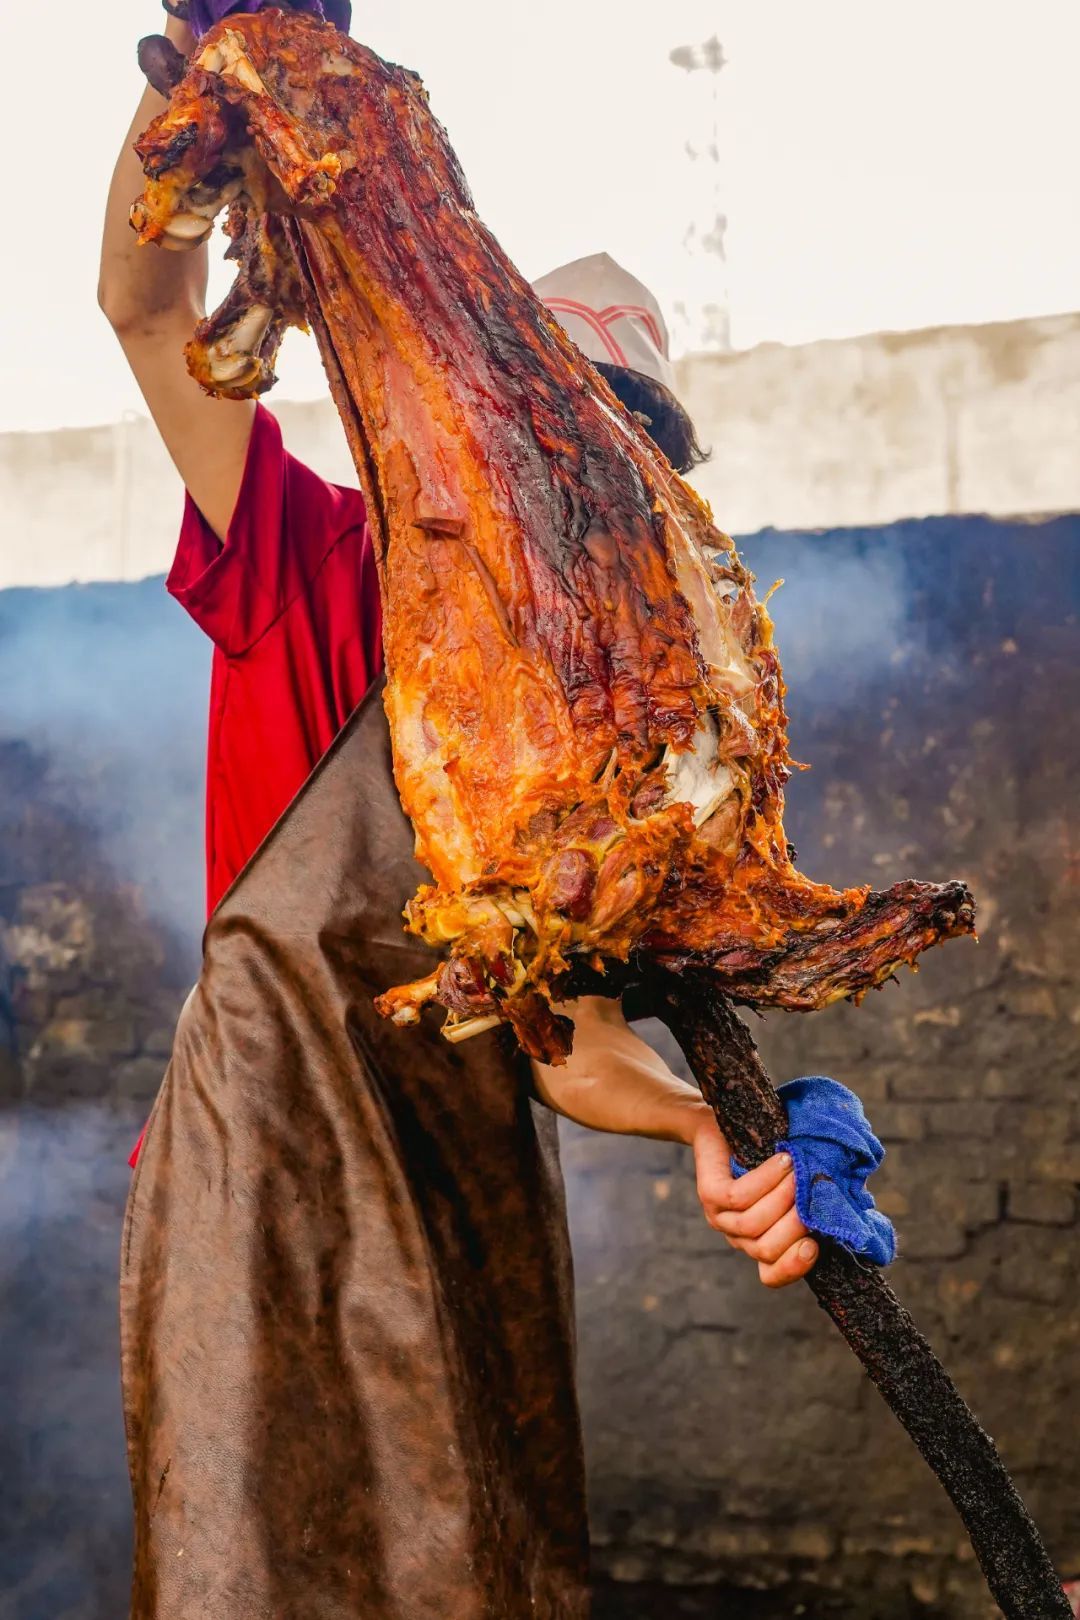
x=585, y=702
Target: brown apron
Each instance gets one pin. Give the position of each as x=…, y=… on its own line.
x=346, y=1298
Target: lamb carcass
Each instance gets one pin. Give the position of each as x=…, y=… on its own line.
x=585, y=702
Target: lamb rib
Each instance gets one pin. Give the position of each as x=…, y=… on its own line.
x=585, y=703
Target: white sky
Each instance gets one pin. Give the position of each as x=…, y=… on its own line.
x=882, y=166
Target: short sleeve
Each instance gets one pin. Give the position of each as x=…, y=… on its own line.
x=285, y=521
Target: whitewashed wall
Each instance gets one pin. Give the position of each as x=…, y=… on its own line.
x=863, y=431
x=892, y=425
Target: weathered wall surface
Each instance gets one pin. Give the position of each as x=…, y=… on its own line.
x=891, y=425
x=733, y=1442
x=104, y=503
x=861, y=431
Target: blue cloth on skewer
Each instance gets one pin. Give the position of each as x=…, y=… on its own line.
x=833, y=1151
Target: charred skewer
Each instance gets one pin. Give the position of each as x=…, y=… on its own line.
x=727, y=1066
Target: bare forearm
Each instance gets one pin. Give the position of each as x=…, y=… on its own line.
x=140, y=287
x=154, y=298
x=614, y=1082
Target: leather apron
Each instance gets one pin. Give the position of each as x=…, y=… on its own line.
x=346, y=1294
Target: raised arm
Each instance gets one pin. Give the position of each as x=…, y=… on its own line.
x=153, y=298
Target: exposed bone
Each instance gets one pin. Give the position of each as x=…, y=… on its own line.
x=471, y=1027
x=405, y=1010
x=233, y=358
x=309, y=179
x=696, y=777
x=244, y=338
x=718, y=561
x=190, y=229
x=234, y=368
x=228, y=59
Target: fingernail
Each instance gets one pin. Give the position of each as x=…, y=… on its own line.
x=807, y=1250
x=785, y=1160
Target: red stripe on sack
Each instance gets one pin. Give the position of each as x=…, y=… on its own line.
x=645, y=316
x=571, y=307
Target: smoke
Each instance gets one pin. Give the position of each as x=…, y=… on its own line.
x=106, y=688
x=842, y=615
x=109, y=684
x=64, y=1502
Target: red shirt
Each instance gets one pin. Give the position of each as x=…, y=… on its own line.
x=291, y=603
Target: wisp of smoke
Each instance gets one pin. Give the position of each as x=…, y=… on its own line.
x=109, y=683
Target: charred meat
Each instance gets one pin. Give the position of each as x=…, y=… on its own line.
x=585, y=702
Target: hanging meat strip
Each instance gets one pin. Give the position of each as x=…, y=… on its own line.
x=585, y=702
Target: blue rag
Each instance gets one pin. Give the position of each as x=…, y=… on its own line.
x=833, y=1151
x=203, y=14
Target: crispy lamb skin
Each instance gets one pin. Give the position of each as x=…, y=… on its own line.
x=585, y=703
